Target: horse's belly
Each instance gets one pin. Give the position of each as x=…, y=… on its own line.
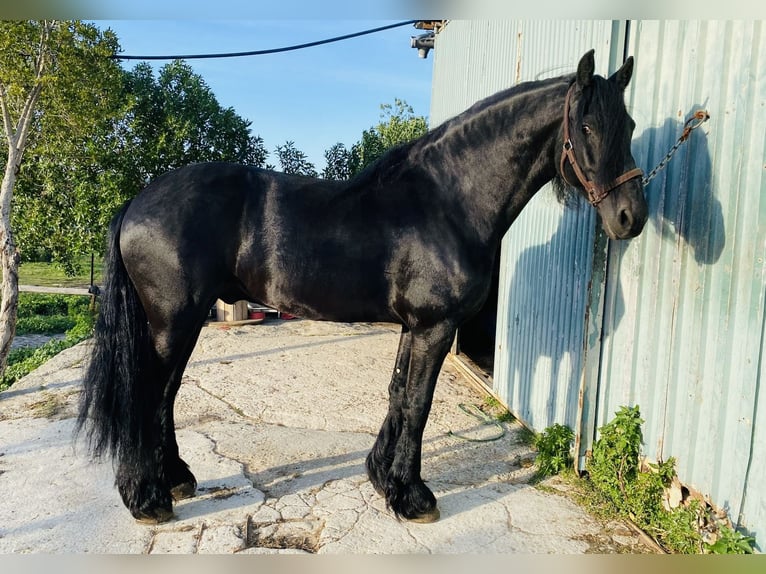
x=351, y=295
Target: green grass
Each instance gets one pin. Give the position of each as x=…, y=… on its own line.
x=52, y=275
x=494, y=408
x=43, y=313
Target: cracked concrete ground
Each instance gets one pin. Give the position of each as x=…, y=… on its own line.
x=275, y=421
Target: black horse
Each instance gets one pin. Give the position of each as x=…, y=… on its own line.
x=411, y=240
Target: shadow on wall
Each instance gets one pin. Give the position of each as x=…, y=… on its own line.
x=683, y=209
x=682, y=202
x=545, y=321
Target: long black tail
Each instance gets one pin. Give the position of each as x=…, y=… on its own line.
x=115, y=383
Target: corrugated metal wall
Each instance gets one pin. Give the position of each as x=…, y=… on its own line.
x=684, y=317
x=467, y=69
x=675, y=320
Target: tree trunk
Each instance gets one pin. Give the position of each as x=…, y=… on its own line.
x=17, y=141
x=9, y=263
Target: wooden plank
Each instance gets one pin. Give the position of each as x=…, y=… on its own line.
x=228, y=312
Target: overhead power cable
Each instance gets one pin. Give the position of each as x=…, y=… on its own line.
x=269, y=51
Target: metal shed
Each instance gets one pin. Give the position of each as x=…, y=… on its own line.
x=673, y=321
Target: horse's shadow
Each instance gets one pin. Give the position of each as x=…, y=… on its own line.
x=681, y=199
x=450, y=463
x=683, y=210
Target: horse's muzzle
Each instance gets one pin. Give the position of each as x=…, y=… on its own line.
x=624, y=213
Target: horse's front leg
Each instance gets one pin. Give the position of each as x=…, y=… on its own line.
x=406, y=493
x=381, y=456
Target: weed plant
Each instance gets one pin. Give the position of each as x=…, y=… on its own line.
x=619, y=485
x=554, y=446
x=637, y=493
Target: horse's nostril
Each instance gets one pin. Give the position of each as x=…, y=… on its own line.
x=626, y=219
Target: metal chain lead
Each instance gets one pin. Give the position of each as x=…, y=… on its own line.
x=699, y=117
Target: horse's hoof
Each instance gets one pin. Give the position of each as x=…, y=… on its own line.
x=155, y=517
x=183, y=490
x=427, y=517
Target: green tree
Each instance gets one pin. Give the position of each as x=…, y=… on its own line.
x=55, y=78
x=175, y=120
x=293, y=160
x=71, y=183
x=338, y=163
x=366, y=151
x=398, y=124
x=161, y=123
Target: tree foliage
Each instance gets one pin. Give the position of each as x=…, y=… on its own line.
x=337, y=163
x=73, y=183
x=293, y=160
x=398, y=124
x=55, y=88
x=175, y=120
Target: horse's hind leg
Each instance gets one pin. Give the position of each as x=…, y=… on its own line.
x=139, y=473
x=381, y=456
x=153, y=476
x=405, y=491
x=177, y=474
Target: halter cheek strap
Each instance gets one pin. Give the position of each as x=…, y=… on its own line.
x=596, y=193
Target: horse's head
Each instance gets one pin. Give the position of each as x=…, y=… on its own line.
x=596, y=156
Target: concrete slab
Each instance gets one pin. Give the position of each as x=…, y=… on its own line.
x=275, y=421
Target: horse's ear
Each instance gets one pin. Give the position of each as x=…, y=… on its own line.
x=585, y=69
x=623, y=75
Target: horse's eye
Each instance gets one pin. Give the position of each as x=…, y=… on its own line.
x=586, y=129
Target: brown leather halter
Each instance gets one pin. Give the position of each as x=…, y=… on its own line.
x=596, y=193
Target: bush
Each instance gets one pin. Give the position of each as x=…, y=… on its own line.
x=731, y=542
x=35, y=304
x=43, y=314
x=614, y=464
x=82, y=328
x=635, y=493
x=553, y=447
x=47, y=314
x=23, y=361
x=42, y=325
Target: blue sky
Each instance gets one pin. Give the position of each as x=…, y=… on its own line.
x=315, y=97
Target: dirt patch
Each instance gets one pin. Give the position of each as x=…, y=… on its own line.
x=52, y=405
x=299, y=534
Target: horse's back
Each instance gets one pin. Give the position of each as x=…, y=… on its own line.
x=207, y=189
x=341, y=251
x=299, y=244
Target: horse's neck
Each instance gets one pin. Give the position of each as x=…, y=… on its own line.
x=497, y=156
